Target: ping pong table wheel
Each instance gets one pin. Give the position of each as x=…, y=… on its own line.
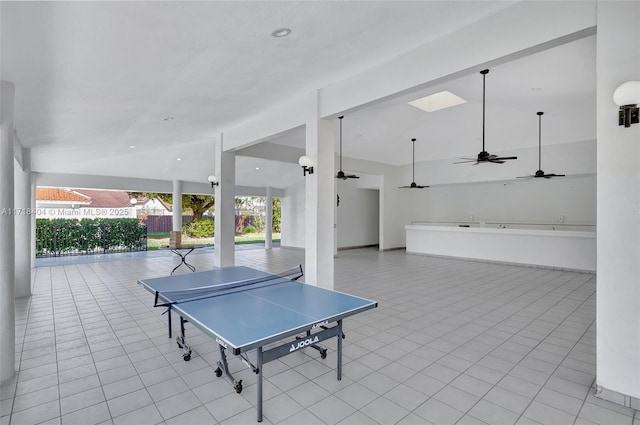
x=323, y=353
x=238, y=386
x=186, y=356
x=218, y=372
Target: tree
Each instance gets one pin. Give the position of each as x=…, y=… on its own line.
x=198, y=204
x=277, y=214
x=243, y=202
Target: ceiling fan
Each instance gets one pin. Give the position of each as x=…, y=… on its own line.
x=341, y=174
x=413, y=184
x=540, y=173
x=485, y=156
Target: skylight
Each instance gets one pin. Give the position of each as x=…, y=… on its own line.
x=437, y=101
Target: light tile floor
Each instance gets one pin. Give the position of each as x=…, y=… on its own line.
x=452, y=342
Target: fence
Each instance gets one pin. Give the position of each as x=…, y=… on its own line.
x=62, y=237
x=164, y=223
x=161, y=223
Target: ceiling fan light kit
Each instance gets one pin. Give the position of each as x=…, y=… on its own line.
x=539, y=173
x=413, y=184
x=485, y=156
x=341, y=174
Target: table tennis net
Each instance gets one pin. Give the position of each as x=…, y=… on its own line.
x=167, y=298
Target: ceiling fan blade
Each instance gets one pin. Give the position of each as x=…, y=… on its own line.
x=343, y=176
x=413, y=186
x=496, y=161
x=525, y=177
x=548, y=176
x=466, y=160
x=504, y=158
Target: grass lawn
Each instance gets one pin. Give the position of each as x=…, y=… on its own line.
x=161, y=240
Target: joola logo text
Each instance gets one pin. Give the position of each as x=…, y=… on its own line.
x=320, y=324
x=303, y=343
x=221, y=342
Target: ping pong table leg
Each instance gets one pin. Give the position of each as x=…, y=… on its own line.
x=339, y=337
x=259, y=360
x=182, y=342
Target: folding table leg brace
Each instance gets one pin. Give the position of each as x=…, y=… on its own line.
x=265, y=356
x=223, y=368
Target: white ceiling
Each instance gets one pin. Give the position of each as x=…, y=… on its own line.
x=94, y=78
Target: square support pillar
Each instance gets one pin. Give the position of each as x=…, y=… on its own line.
x=177, y=206
x=7, y=235
x=225, y=194
x=268, y=225
x=22, y=176
x=618, y=211
x=319, y=202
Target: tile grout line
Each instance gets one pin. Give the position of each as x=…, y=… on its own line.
x=475, y=363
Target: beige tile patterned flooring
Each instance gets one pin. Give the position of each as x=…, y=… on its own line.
x=452, y=342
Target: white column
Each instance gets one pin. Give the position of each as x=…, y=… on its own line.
x=618, y=208
x=34, y=184
x=268, y=225
x=22, y=176
x=320, y=198
x=177, y=205
x=7, y=236
x=225, y=192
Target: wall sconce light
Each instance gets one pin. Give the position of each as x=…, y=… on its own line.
x=306, y=164
x=213, y=180
x=627, y=97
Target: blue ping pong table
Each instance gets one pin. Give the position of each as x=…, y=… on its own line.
x=246, y=310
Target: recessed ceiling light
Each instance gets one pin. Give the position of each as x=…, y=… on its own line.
x=132, y=146
x=281, y=32
x=437, y=101
x=257, y=168
x=178, y=159
x=536, y=89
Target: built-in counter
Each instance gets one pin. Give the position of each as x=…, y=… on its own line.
x=567, y=249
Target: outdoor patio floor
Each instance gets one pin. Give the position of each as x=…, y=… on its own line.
x=452, y=342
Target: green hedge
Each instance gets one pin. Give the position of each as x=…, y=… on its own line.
x=199, y=228
x=249, y=229
x=64, y=236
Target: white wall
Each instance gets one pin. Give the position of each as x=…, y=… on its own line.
x=358, y=215
x=491, y=192
x=571, y=158
x=534, y=201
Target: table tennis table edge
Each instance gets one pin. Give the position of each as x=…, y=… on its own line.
x=238, y=349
